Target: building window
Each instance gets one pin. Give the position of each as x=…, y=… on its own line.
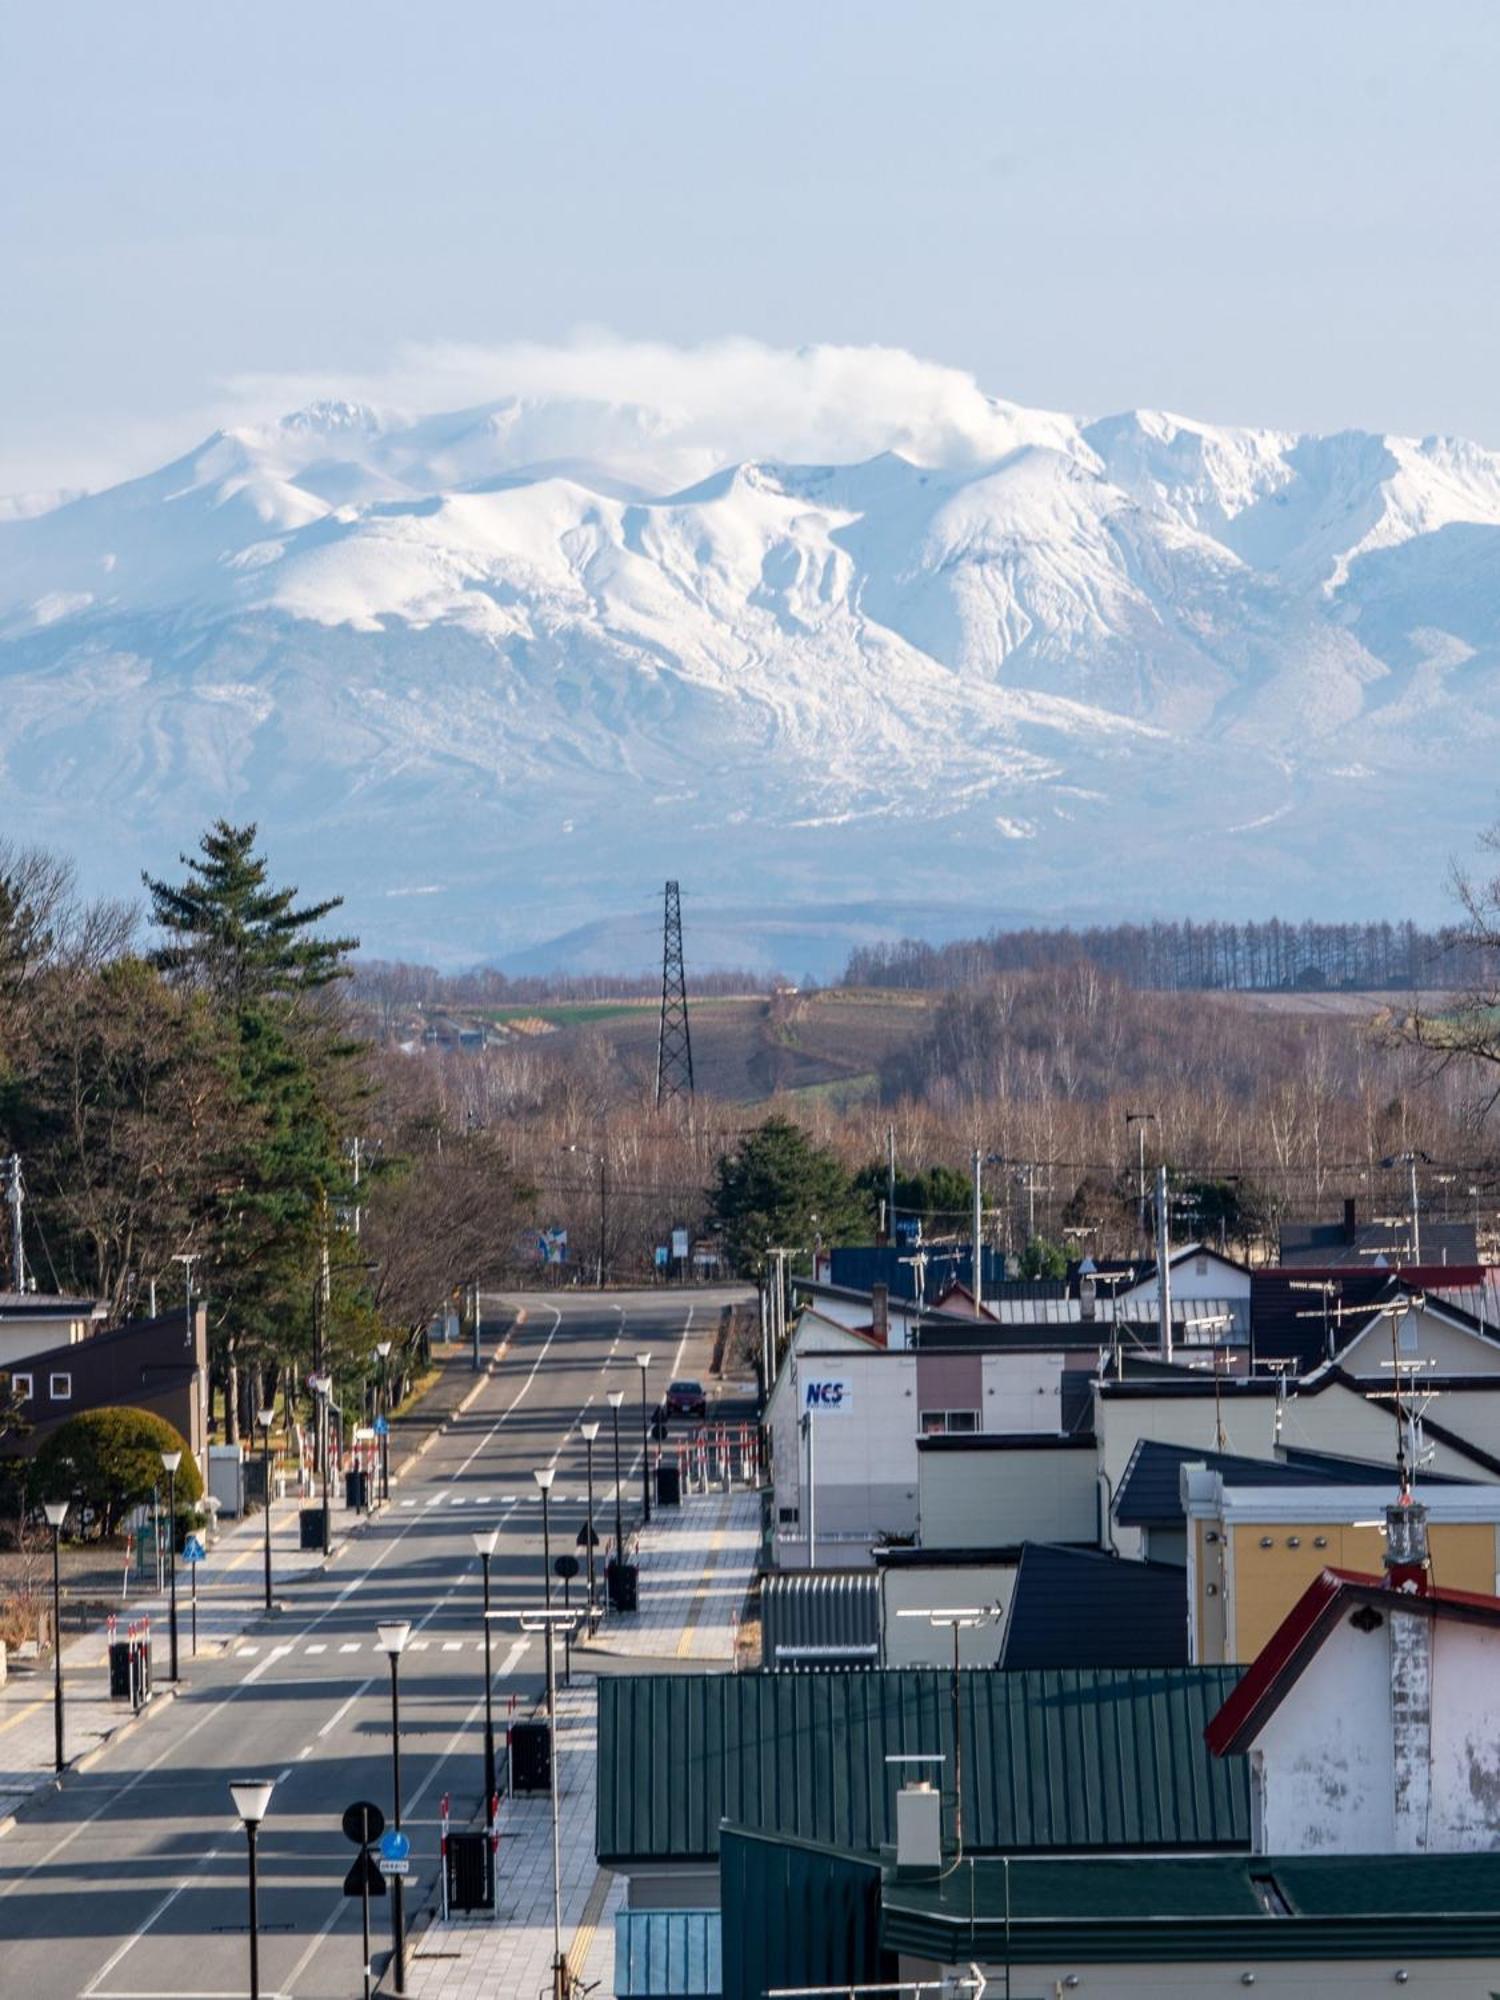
x=1202, y=1267
x=948, y=1423
x=22, y=1385
x=60, y=1388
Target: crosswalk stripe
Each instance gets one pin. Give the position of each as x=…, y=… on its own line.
x=453, y=1645
x=318, y=1648
x=350, y=1646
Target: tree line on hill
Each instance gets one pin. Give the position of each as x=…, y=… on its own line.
x=1275, y=956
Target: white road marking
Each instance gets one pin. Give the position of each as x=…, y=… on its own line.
x=453, y=1645
x=320, y=1647
x=408, y=1503
x=340, y=1712
x=419, y=1645
x=351, y=1646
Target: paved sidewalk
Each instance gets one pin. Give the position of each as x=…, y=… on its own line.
x=696, y=1564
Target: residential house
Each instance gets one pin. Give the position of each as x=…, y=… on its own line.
x=1253, y=1549
x=36, y=1322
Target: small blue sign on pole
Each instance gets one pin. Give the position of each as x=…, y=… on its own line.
x=193, y=1550
x=380, y=1427
x=394, y=1853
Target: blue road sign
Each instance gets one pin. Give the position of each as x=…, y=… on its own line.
x=394, y=1853
x=381, y=1427
x=193, y=1550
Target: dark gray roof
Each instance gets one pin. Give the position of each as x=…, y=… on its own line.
x=820, y=1618
x=1150, y=1494
x=1082, y=1608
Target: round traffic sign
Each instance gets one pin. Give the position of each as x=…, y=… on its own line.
x=363, y=1823
x=565, y=1567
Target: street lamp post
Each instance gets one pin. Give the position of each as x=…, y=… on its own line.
x=251, y=1798
x=266, y=1417
x=643, y=1362
x=616, y=1398
x=393, y=1637
x=57, y=1512
x=549, y=1623
x=589, y=1432
x=321, y=1386
x=170, y=1461
x=544, y=1476
x=484, y=1540
x=383, y=1349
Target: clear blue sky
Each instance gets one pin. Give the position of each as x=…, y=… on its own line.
x=1278, y=213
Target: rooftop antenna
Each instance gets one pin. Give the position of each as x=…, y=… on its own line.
x=674, y=1043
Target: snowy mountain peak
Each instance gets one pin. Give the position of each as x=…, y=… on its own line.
x=575, y=628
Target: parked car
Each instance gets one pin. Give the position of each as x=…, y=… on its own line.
x=687, y=1399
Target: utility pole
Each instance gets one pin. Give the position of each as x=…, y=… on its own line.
x=978, y=1286
x=603, y=1209
x=14, y=1195
x=1416, y=1213
x=890, y=1183
x=1163, y=1263
x=1142, y=1119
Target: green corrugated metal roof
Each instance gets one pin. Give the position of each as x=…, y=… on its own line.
x=1207, y=1907
x=1073, y=1759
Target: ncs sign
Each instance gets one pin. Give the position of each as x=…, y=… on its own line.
x=827, y=1395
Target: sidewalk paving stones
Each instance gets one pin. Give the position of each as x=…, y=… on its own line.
x=696, y=1564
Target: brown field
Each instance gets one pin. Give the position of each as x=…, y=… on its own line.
x=749, y=1048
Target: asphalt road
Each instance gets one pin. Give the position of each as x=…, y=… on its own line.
x=130, y=1882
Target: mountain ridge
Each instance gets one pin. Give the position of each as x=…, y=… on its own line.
x=495, y=672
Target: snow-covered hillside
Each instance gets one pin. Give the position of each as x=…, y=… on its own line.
x=494, y=674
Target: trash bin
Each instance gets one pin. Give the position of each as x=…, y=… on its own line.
x=621, y=1579
x=310, y=1522
x=357, y=1489
x=119, y=1669
x=471, y=1880
x=530, y=1757
x=668, y=1486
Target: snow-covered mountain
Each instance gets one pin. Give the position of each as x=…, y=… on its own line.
x=495, y=674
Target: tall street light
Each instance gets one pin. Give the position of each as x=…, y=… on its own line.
x=251, y=1798
x=170, y=1461
x=393, y=1636
x=643, y=1362
x=550, y=1623
x=484, y=1540
x=57, y=1512
x=321, y=1386
x=266, y=1417
x=544, y=1476
x=589, y=1432
x=383, y=1349
x=615, y=1399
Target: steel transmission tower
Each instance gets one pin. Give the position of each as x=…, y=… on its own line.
x=674, y=1042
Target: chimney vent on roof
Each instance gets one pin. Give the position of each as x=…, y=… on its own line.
x=1406, y=1560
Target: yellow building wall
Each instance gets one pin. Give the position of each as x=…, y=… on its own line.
x=1266, y=1583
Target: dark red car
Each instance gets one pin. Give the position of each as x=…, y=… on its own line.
x=687, y=1399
